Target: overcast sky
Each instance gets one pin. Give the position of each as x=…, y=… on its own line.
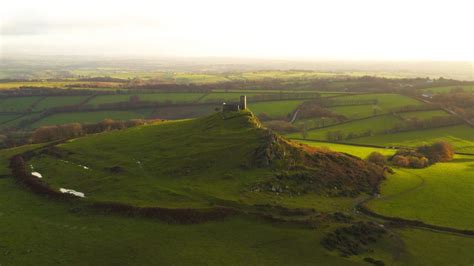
x=311, y=29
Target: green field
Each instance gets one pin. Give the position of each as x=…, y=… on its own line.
x=461, y=137
x=376, y=125
x=275, y=108
x=361, y=152
x=90, y=117
x=154, y=97
x=424, y=115
x=386, y=101
x=429, y=248
x=17, y=104
x=356, y=111
x=440, y=194
x=56, y=101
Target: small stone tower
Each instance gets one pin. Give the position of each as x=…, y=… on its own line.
x=243, y=102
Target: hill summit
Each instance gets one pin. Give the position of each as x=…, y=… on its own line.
x=196, y=163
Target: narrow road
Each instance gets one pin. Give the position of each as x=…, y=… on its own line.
x=295, y=114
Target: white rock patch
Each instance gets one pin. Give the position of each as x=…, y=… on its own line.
x=73, y=192
x=38, y=175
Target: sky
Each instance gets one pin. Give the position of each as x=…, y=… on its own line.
x=297, y=29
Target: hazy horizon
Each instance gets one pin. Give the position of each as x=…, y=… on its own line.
x=283, y=30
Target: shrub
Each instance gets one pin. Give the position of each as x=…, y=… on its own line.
x=418, y=162
x=377, y=158
x=438, y=152
x=400, y=160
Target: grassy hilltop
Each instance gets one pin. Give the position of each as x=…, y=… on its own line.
x=197, y=163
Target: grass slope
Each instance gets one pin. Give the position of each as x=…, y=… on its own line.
x=37, y=231
x=192, y=163
x=440, y=194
